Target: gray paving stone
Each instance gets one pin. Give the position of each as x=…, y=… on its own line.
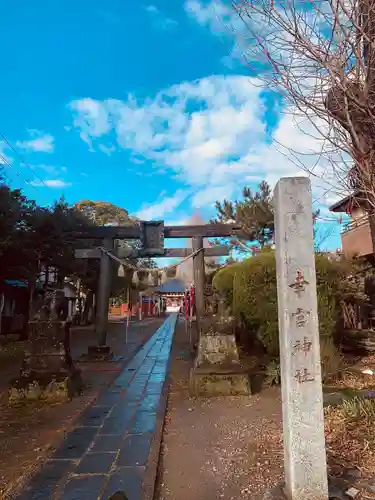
x=150, y=403
x=124, y=379
x=135, y=450
x=157, y=377
x=107, y=443
x=44, y=483
x=124, y=409
x=116, y=425
x=96, y=463
x=76, y=443
x=94, y=416
x=126, y=479
x=84, y=488
x=132, y=395
x=109, y=399
x=136, y=387
x=142, y=378
x=143, y=423
x=154, y=387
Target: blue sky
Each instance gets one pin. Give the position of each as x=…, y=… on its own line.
x=144, y=104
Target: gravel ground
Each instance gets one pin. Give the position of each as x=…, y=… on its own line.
x=221, y=447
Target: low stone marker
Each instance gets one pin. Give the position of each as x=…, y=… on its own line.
x=48, y=372
x=302, y=399
x=217, y=369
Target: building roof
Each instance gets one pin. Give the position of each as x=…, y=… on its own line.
x=172, y=286
x=345, y=203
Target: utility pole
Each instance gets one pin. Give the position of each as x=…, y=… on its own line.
x=103, y=294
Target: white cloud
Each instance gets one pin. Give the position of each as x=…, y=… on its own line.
x=189, y=128
x=137, y=161
x=182, y=221
x=221, y=18
x=160, y=21
x=38, y=142
x=208, y=133
x=210, y=195
x=91, y=118
x=51, y=183
x=213, y=13
x=50, y=169
x=108, y=150
x=163, y=207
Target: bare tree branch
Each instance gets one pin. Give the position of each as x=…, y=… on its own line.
x=320, y=56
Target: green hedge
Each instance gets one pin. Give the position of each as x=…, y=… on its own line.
x=251, y=290
x=223, y=281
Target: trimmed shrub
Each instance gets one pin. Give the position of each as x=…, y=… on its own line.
x=254, y=296
x=223, y=281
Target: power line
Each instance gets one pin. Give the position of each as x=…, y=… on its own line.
x=22, y=159
x=4, y=161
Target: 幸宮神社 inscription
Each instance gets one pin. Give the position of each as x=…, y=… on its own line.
x=303, y=375
x=301, y=316
x=302, y=346
x=299, y=284
x=302, y=399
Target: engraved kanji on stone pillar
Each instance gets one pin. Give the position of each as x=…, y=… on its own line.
x=302, y=401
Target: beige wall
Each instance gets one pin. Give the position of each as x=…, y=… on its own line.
x=357, y=212
x=357, y=241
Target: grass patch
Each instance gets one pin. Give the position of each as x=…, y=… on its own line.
x=349, y=433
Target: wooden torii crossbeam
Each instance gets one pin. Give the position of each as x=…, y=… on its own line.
x=108, y=234
x=134, y=232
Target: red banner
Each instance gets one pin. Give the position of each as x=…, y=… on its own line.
x=192, y=300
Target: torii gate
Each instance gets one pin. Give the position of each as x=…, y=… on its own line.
x=152, y=235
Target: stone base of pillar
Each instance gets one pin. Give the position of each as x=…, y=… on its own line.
x=276, y=493
x=49, y=387
x=217, y=370
x=209, y=381
x=336, y=491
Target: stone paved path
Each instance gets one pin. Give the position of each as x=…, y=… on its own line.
x=116, y=443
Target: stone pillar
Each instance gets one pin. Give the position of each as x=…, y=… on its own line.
x=301, y=383
x=102, y=350
x=103, y=294
x=199, y=279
